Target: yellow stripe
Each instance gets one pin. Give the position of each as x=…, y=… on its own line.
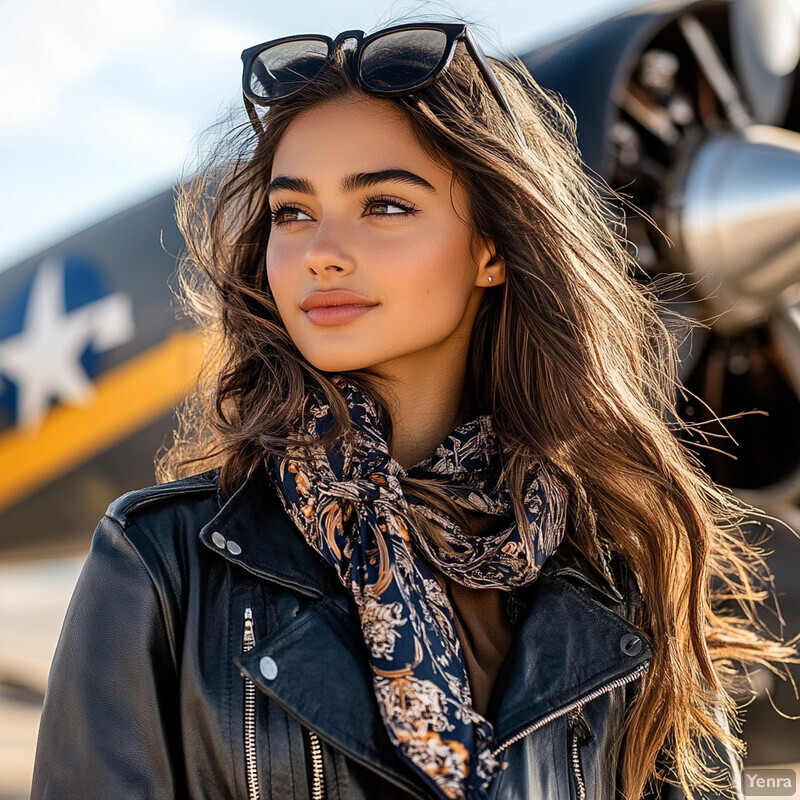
x=124, y=400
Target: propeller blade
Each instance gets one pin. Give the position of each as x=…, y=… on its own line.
x=766, y=51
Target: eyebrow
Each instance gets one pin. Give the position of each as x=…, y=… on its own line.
x=357, y=180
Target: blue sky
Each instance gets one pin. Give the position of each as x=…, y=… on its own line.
x=101, y=102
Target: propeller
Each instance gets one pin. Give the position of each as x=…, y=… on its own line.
x=766, y=49
x=737, y=218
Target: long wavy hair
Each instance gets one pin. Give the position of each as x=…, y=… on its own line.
x=569, y=355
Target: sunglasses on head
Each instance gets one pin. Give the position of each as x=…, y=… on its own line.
x=393, y=62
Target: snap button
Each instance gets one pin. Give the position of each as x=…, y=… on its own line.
x=233, y=548
x=630, y=644
x=268, y=667
x=218, y=539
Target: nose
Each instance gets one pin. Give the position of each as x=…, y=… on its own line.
x=328, y=252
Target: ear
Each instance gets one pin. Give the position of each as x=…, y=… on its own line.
x=490, y=265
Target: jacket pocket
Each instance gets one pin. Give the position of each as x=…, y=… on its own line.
x=317, y=772
x=250, y=752
x=578, y=734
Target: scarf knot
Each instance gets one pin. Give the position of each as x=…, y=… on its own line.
x=377, y=487
x=418, y=669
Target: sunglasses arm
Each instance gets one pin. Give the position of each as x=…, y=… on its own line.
x=491, y=79
x=518, y=130
x=254, y=118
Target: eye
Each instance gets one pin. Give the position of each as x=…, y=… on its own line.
x=383, y=206
x=285, y=214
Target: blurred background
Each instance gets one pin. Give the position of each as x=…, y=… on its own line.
x=690, y=107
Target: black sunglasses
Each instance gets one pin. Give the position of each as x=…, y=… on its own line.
x=392, y=62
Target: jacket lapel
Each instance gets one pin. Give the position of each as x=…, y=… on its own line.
x=316, y=667
x=567, y=647
x=318, y=671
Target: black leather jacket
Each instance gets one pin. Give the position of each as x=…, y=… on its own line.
x=208, y=652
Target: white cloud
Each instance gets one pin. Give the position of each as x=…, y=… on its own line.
x=219, y=38
x=49, y=46
x=132, y=130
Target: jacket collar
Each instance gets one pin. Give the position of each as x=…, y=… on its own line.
x=569, y=645
x=253, y=531
x=285, y=558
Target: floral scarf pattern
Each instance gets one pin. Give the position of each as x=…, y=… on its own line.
x=419, y=675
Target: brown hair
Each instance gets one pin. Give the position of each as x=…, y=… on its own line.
x=569, y=355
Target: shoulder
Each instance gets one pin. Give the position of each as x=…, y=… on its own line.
x=166, y=499
x=154, y=532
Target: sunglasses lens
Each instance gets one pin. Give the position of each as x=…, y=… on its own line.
x=403, y=59
x=284, y=68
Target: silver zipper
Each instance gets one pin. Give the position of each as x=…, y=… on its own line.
x=251, y=765
x=581, y=701
x=575, y=728
x=317, y=775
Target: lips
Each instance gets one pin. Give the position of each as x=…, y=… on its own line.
x=334, y=297
x=335, y=307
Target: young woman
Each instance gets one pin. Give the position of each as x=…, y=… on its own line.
x=451, y=546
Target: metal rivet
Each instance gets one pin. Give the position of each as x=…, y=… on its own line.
x=631, y=644
x=233, y=548
x=218, y=539
x=268, y=667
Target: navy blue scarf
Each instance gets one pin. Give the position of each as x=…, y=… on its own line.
x=418, y=669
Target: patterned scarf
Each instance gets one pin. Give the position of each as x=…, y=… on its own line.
x=418, y=669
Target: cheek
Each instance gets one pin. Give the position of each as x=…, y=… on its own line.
x=431, y=278
x=281, y=275
x=433, y=309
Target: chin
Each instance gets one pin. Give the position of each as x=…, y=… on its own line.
x=336, y=363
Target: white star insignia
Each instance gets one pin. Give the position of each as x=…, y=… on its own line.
x=43, y=360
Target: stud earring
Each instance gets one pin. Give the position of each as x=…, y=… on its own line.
x=490, y=279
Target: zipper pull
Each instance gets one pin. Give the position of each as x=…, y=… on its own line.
x=249, y=638
x=579, y=726
x=578, y=733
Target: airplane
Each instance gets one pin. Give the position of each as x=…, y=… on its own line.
x=94, y=356
x=690, y=109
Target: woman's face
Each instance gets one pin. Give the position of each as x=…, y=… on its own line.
x=359, y=207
